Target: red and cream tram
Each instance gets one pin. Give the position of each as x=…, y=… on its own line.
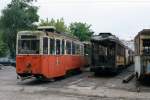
x=47, y=53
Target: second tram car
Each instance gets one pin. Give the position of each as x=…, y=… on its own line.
x=109, y=53
x=142, y=54
x=47, y=54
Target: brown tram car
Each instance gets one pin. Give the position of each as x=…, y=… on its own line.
x=109, y=53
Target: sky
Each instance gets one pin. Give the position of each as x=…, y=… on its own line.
x=124, y=18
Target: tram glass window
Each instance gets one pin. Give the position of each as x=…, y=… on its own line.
x=146, y=46
x=52, y=46
x=28, y=46
x=63, y=46
x=119, y=50
x=77, y=49
x=57, y=46
x=45, y=45
x=73, y=48
x=81, y=51
x=68, y=47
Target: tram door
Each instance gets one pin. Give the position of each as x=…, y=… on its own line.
x=45, y=55
x=59, y=57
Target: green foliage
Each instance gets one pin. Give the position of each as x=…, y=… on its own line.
x=81, y=30
x=3, y=47
x=59, y=24
x=18, y=15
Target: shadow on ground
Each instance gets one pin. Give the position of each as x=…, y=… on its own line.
x=35, y=81
x=108, y=74
x=145, y=81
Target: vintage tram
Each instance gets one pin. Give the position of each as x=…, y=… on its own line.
x=87, y=52
x=109, y=53
x=46, y=53
x=142, y=54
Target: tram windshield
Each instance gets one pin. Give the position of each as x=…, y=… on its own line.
x=28, y=46
x=146, y=46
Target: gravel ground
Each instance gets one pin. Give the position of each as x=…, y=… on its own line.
x=84, y=86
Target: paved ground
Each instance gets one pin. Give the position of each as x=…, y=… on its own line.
x=83, y=86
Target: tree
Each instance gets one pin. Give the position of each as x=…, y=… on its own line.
x=3, y=47
x=18, y=15
x=81, y=30
x=59, y=24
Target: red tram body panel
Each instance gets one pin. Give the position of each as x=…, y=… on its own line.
x=48, y=65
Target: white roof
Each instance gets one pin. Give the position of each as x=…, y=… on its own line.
x=46, y=27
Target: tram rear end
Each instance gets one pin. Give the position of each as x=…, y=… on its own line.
x=142, y=54
x=28, y=59
x=108, y=53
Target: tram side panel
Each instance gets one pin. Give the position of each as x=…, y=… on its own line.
x=120, y=56
x=28, y=64
x=52, y=66
x=55, y=66
x=137, y=64
x=48, y=66
x=127, y=59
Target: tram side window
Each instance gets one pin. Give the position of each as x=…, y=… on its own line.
x=28, y=46
x=120, y=50
x=63, y=46
x=68, y=47
x=82, y=50
x=45, y=45
x=57, y=46
x=146, y=46
x=77, y=49
x=52, y=46
x=73, y=48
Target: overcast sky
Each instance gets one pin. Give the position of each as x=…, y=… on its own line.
x=123, y=18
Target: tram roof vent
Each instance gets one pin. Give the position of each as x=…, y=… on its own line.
x=47, y=28
x=105, y=34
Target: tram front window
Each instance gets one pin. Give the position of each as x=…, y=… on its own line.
x=146, y=46
x=28, y=46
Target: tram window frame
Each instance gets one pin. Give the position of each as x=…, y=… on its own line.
x=29, y=48
x=45, y=45
x=77, y=49
x=146, y=46
x=73, y=48
x=68, y=47
x=81, y=50
x=58, y=47
x=52, y=46
x=63, y=46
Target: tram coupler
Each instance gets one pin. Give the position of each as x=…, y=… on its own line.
x=23, y=78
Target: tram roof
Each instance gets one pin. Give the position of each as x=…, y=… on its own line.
x=29, y=32
x=143, y=32
x=47, y=27
x=108, y=37
x=42, y=33
x=104, y=37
